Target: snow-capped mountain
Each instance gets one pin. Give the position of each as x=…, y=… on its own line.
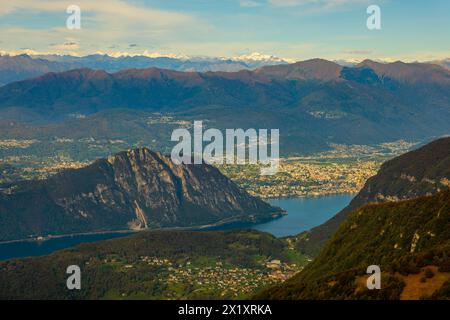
x=22, y=66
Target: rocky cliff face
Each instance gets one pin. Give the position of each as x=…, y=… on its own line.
x=422, y=172
x=137, y=189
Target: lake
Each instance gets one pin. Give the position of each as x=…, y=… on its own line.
x=41, y=248
x=303, y=214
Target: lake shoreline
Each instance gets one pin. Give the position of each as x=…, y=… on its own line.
x=308, y=196
x=131, y=231
x=303, y=214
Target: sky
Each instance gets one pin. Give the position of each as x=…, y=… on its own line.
x=411, y=30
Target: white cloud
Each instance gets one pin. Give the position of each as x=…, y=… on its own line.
x=70, y=44
x=102, y=23
x=116, y=15
x=250, y=3
x=117, y=10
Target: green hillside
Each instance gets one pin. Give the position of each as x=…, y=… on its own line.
x=157, y=265
x=409, y=240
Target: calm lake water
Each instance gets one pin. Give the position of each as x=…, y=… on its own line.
x=303, y=214
x=41, y=248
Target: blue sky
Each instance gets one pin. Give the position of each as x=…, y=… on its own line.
x=294, y=29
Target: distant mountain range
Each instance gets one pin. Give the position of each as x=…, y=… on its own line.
x=20, y=67
x=408, y=239
x=422, y=172
x=313, y=102
x=134, y=190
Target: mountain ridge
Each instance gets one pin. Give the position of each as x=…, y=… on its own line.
x=316, y=100
x=421, y=172
x=19, y=67
x=136, y=189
